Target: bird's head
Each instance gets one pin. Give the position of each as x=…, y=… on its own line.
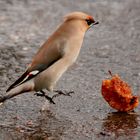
x=81, y=18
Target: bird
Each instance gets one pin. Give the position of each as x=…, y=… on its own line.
x=54, y=57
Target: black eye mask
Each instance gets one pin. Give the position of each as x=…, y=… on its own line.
x=91, y=22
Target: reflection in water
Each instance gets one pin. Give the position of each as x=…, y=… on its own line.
x=120, y=124
x=47, y=126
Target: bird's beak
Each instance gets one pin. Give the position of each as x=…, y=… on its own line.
x=96, y=22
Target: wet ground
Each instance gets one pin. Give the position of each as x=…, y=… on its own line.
x=112, y=45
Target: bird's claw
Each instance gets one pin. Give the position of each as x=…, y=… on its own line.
x=50, y=99
x=39, y=94
x=62, y=93
x=42, y=94
x=69, y=93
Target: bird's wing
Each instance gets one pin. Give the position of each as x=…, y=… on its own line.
x=43, y=59
x=30, y=74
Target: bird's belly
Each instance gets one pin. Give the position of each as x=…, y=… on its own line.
x=44, y=80
x=48, y=78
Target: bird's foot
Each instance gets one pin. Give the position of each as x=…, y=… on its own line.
x=50, y=99
x=42, y=94
x=59, y=92
x=39, y=94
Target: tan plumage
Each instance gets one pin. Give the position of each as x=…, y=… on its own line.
x=55, y=56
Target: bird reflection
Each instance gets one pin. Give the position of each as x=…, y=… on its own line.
x=49, y=127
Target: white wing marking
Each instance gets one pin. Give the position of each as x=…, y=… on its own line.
x=31, y=73
x=34, y=72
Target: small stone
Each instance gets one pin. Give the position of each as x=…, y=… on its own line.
x=25, y=48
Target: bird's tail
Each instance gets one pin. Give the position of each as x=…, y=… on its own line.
x=28, y=86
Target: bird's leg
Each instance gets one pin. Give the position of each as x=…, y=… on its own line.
x=47, y=97
x=42, y=94
x=59, y=92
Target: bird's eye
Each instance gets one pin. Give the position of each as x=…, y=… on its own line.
x=89, y=22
